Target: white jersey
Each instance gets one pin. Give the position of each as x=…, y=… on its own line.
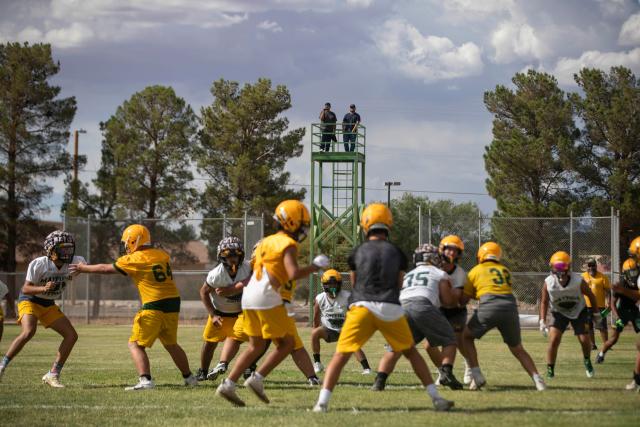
x=423, y=282
x=42, y=270
x=260, y=294
x=458, y=278
x=4, y=289
x=567, y=300
x=333, y=311
x=219, y=278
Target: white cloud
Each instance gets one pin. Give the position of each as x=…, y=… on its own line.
x=479, y=9
x=71, y=36
x=270, y=26
x=516, y=41
x=359, y=3
x=429, y=58
x=630, y=31
x=567, y=67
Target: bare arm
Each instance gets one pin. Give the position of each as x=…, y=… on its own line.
x=633, y=294
x=400, y=279
x=586, y=290
x=447, y=297
x=316, y=315
x=544, y=303
x=228, y=291
x=92, y=268
x=205, y=290
x=352, y=277
x=291, y=265
x=32, y=289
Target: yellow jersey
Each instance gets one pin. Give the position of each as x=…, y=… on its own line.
x=270, y=255
x=599, y=285
x=288, y=290
x=151, y=272
x=489, y=277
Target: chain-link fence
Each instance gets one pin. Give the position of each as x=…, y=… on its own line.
x=528, y=243
x=192, y=244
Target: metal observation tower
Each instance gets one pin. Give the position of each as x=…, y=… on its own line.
x=337, y=197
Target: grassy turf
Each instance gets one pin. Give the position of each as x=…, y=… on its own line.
x=100, y=367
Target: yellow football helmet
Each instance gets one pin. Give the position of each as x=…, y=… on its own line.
x=134, y=237
x=452, y=241
x=634, y=248
x=376, y=216
x=331, y=282
x=630, y=271
x=489, y=251
x=293, y=217
x=560, y=261
x=331, y=274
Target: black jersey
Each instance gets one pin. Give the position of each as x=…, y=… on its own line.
x=377, y=264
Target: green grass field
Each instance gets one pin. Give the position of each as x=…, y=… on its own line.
x=100, y=368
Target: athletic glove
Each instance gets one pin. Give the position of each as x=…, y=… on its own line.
x=605, y=312
x=321, y=261
x=619, y=325
x=544, y=330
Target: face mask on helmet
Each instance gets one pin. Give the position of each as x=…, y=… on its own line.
x=451, y=259
x=63, y=252
x=560, y=270
x=302, y=233
x=631, y=275
x=332, y=287
x=231, y=259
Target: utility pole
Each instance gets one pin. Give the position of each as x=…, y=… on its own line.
x=389, y=184
x=75, y=184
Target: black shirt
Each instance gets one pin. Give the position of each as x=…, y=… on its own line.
x=624, y=302
x=377, y=264
x=328, y=116
x=350, y=119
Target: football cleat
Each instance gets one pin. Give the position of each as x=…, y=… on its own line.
x=379, y=384
x=52, y=380
x=437, y=381
x=632, y=386
x=227, y=391
x=366, y=371
x=539, y=382
x=449, y=380
x=442, y=404
x=213, y=374
x=257, y=387
x=589, y=368
x=201, y=374
x=143, y=384
x=318, y=367
x=466, y=379
x=191, y=381
x=320, y=408
x=247, y=372
x=313, y=381
x=477, y=381
x=600, y=358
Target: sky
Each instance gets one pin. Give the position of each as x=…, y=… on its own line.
x=417, y=70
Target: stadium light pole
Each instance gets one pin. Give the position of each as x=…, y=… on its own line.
x=389, y=184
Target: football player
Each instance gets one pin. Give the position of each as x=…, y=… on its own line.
x=634, y=253
x=4, y=290
x=424, y=290
x=329, y=311
x=150, y=270
x=490, y=283
x=377, y=270
x=623, y=307
x=47, y=276
x=600, y=286
x=264, y=315
x=221, y=294
x=565, y=292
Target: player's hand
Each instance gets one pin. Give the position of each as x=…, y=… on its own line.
x=217, y=321
x=74, y=269
x=49, y=286
x=605, y=312
x=544, y=330
x=321, y=261
x=619, y=324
